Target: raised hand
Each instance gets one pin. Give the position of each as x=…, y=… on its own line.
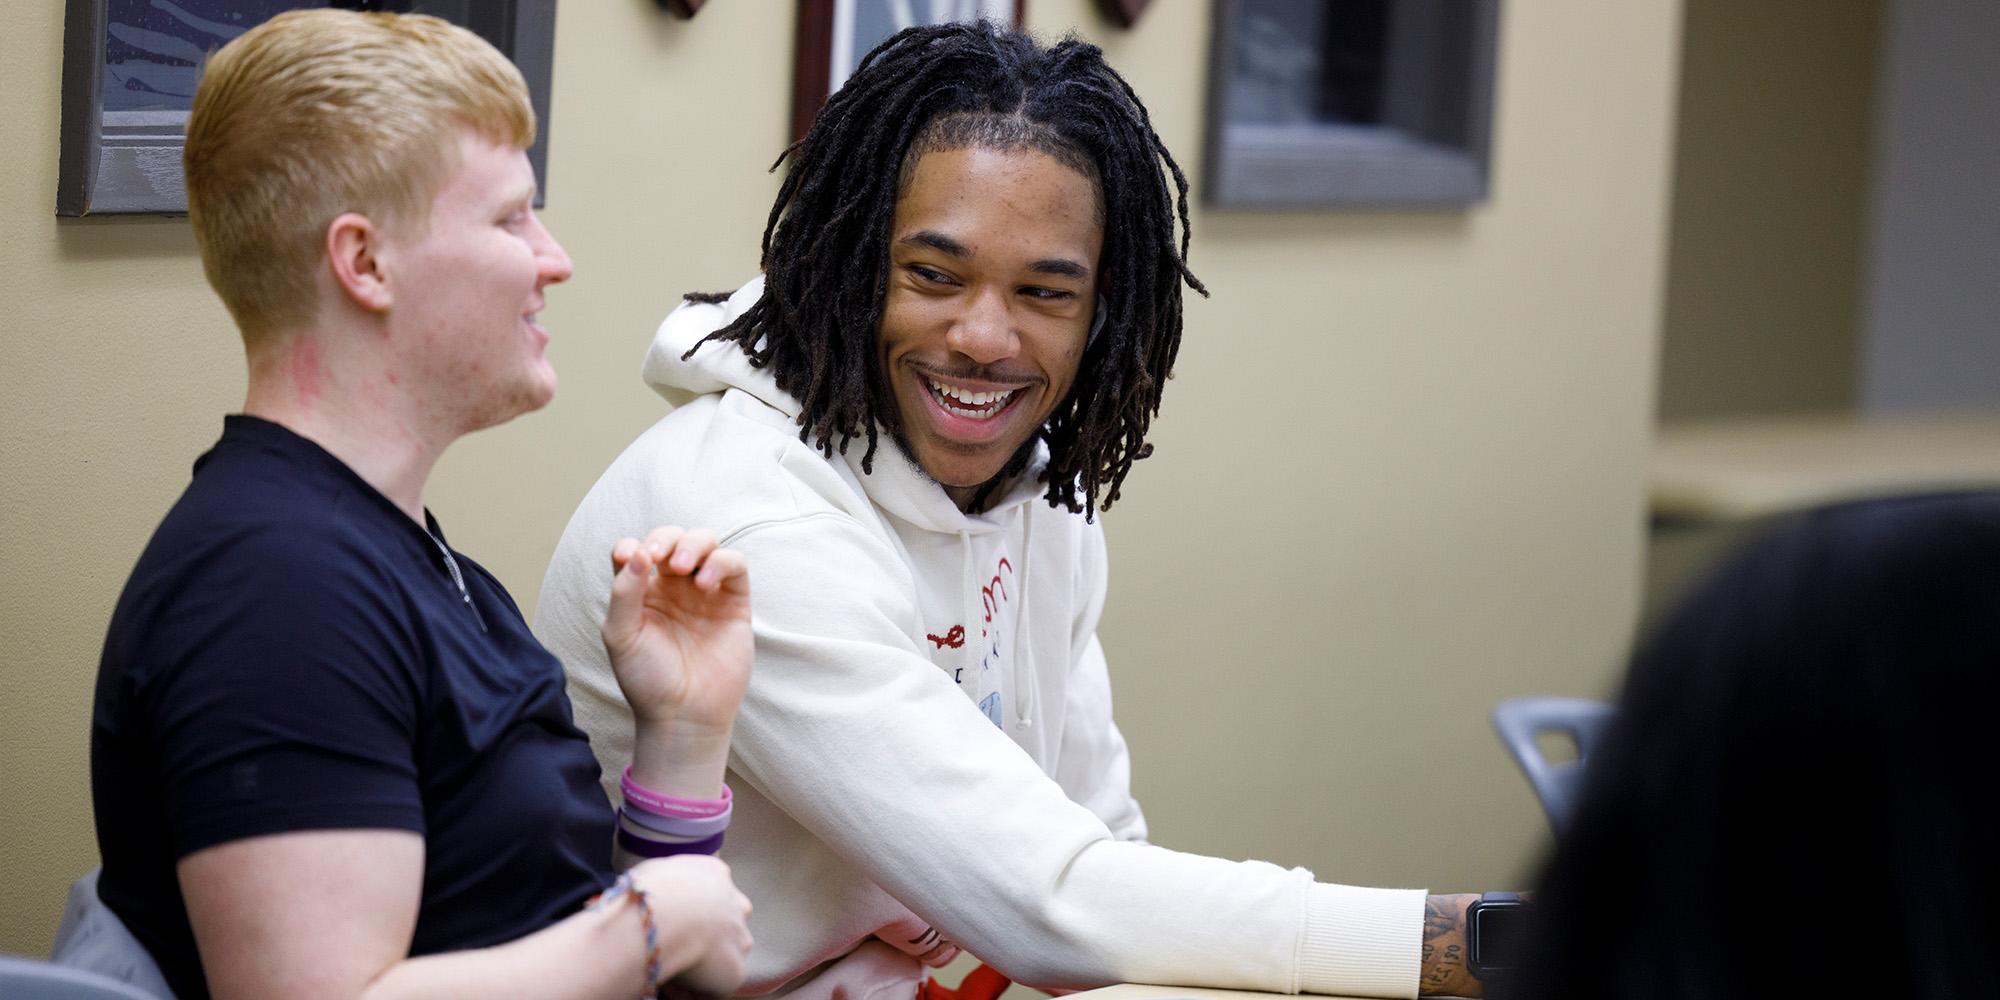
x=678, y=630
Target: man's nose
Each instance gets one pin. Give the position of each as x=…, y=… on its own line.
x=985, y=331
x=554, y=260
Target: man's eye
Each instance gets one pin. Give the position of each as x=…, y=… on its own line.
x=929, y=274
x=1047, y=294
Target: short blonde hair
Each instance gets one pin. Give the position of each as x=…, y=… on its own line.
x=315, y=113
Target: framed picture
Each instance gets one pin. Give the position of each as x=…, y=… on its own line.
x=1124, y=13
x=130, y=69
x=1361, y=102
x=835, y=34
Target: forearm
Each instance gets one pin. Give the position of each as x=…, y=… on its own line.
x=1445, y=970
x=1100, y=911
x=591, y=954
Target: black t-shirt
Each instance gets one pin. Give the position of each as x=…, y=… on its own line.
x=292, y=652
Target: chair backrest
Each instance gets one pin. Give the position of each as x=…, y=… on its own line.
x=27, y=977
x=91, y=939
x=1521, y=723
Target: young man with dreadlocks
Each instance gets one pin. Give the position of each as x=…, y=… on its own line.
x=969, y=305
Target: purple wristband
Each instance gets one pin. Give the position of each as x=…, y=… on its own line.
x=657, y=849
x=674, y=826
x=670, y=805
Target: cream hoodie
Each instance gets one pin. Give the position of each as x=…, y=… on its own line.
x=927, y=744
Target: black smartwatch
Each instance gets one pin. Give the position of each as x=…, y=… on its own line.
x=1493, y=928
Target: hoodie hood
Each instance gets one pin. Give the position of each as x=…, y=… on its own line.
x=719, y=365
x=896, y=485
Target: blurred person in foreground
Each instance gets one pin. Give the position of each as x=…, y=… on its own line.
x=970, y=305
x=1794, y=797
x=328, y=758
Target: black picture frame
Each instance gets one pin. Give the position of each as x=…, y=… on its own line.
x=1431, y=148
x=133, y=166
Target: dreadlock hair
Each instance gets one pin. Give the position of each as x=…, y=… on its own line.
x=826, y=242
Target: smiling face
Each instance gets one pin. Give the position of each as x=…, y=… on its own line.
x=993, y=261
x=468, y=289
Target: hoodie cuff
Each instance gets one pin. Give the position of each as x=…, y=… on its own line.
x=1361, y=942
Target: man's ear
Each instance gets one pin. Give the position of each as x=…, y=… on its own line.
x=354, y=248
x=1099, y=312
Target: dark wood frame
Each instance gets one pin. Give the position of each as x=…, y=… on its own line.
x=137, y=170
x=1433, y=153
x=1124, y=13
x=814, y=59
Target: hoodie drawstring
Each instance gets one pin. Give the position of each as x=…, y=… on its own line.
x=968, y=607
x=1027, y=686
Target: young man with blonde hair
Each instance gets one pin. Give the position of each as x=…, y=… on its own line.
x=328, y=757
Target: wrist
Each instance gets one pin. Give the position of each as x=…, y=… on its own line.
x=626, y=913
x=680, y=943
x=1444, y=968
x=684, y=759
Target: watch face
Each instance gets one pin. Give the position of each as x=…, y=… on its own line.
x=1496, y=937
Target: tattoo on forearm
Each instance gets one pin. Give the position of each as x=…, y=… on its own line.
x=1444, y=970
x=1440, y=918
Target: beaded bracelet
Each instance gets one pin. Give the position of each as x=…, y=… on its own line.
x=626, y=887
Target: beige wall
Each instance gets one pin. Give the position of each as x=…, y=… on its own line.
x=1398, y=476
x=1770, y=208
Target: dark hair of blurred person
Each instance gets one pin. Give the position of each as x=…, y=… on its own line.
x=1793, y=799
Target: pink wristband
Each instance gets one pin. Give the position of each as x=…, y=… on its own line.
x=671, y=805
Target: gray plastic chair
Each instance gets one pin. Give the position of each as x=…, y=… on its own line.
x=30, y=979
x=93, y=941
x=1522, y=721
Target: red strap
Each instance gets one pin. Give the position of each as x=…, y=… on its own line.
x=982, y=983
